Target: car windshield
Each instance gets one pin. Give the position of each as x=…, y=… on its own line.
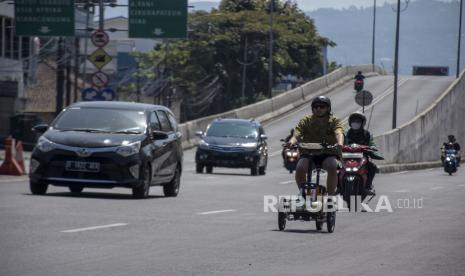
x=232, y=129
x=102, y=120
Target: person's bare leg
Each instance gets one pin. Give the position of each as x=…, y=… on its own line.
x=330, y=166
x=301, y=172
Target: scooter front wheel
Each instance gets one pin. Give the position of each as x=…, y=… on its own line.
x=281, y=221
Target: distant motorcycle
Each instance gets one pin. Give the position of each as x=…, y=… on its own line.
x=358, y=85
x=450, y=161
x=353, y=172
x=290, y=157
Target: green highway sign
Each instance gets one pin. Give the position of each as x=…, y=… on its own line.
x=158, y=18
x=44, y=17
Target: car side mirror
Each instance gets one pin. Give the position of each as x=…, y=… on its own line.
x=263, y=136
x=40, y=128
x=199, y=133
x=159, y=135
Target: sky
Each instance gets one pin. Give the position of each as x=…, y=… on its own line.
x=305, y=5
x=309, y=5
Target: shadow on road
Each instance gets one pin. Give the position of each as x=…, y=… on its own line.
x=96, y=195
x=300, y=231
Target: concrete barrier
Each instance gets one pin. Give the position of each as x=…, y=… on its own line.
x=278, y=105
x=418, y=141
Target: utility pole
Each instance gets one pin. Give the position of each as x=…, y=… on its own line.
x=76, y=68
x=244, y=64
x=60, y=77
x=396, y=69
x=68, y=51
x=459, y=40
x=374, y=36
x=270, y=61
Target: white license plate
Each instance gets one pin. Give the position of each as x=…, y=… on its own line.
x=79, y=166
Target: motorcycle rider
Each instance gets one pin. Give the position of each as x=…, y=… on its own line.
x=286, y=140
x=450, y=144
x=320, y=127
x=359, y=135
x=359, y=77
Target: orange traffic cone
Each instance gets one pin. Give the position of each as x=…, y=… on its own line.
x=10, y=166
x=19, y=156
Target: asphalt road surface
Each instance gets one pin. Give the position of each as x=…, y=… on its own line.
x=218, y=226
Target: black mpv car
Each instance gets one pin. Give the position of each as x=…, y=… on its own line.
x=106, y=145
x=232, y=143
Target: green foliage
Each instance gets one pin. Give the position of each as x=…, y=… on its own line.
x=216, y=45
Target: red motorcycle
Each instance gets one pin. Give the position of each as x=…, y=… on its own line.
x=358, y=85
x=353, y=172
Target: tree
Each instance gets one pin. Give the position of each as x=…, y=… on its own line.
x=216, y=46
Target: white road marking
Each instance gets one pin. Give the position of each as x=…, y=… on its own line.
x=461, y=185
x=94, y=228
x=402, y=172
x=216, y=212
x=437, y=188
x=13, y=180
x=400, y=191
x=287, y=182
x=210, y=177
x=275, y=153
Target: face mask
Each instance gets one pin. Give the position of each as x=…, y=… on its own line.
x=356, y=125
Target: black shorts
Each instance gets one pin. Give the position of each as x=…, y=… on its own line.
x=317, y=159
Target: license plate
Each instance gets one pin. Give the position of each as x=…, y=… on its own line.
x=79, y=166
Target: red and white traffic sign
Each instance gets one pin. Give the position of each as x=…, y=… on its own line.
x=100, y=79
x=100, y=38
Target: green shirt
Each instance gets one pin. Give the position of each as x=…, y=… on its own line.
x=312, y=129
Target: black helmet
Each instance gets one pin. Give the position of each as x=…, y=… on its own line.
x=358, y=115
x=322, y=100
x=451, y=138
x=359, y=72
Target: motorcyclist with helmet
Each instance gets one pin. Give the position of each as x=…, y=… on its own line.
x=286, y=140
x=320, y=127
x=359, y=81
x=450, y=144
x=359, y=135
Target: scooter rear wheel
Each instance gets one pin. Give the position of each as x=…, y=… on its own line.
x=331, y=221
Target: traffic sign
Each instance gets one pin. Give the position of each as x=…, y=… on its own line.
x=158, y=19
x=363, y=98
x=99, y=58
x=107, y=94
x=89, y=94
x=92, y=94
x=100, y=38
x=99, y=79
x=44, y=18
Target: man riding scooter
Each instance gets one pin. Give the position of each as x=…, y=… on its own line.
x=357, y=134
x=321, y=127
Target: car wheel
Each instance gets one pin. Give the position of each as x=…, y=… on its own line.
x=254, y=170
x=142, y=191
x=76, y=190
x=38, y=188
x=172, y=188
x=209, y=169
x=199, y=168
x=262, y=170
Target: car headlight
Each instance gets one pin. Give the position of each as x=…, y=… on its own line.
x=45, y=145
x=203, y=144
x=250, y=145
x=129, y=149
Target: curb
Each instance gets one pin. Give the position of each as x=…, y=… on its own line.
x=392, y=168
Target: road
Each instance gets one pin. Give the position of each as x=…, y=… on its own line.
x=217, y=225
